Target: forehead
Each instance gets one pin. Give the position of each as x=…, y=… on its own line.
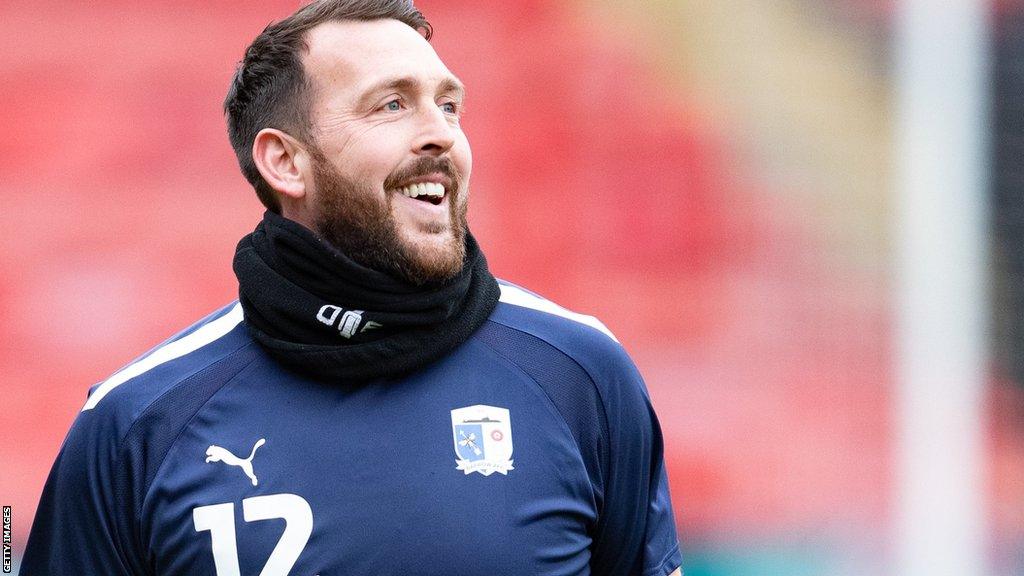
x=350, y=55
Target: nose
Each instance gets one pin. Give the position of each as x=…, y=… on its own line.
x=436, y=135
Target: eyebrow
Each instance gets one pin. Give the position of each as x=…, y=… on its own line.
x=410, y=84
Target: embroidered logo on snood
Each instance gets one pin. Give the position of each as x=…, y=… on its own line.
x=322, y=314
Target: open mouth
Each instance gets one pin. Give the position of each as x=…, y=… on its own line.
x=426, y=192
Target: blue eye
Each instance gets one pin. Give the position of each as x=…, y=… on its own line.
x=448, y=107
x=393, y=106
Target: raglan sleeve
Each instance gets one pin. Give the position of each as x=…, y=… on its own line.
x=81, y=522
x=636, y=532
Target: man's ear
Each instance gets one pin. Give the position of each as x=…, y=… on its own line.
x=282, y=162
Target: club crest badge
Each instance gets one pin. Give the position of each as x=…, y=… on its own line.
x=483, y=439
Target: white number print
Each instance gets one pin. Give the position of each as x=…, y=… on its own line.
x=219, y=519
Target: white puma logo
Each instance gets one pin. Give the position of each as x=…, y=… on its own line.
x=218, y=454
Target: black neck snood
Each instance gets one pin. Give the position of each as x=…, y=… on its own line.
x=320, y=313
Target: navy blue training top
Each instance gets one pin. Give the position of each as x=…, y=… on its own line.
x=532, y=449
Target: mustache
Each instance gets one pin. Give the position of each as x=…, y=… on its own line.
x=424, y=166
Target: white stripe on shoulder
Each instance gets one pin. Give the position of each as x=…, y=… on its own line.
x=519, y=297
x=204, y=335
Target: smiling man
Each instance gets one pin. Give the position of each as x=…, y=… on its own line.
x=375, y=402
x=382, y=169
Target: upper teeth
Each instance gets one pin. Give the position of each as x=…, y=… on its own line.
x=426, y=189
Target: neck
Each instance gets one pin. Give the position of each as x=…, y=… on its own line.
x=319, y=312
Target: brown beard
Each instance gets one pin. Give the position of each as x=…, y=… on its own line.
x=351, y=218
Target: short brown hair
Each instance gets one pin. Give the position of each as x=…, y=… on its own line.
x=270, y=88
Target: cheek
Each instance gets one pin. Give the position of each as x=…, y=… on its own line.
x=462, y=156
x=370, y=157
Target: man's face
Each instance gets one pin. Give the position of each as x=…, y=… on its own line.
x=390, y=164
